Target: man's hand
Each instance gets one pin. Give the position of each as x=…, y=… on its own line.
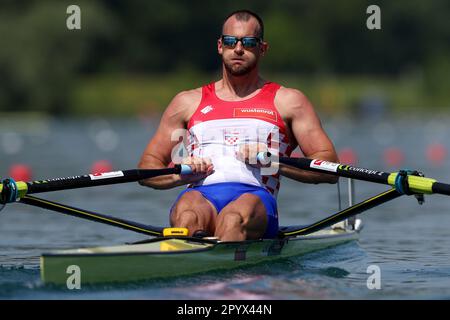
x=201, y=168
x=247, y=153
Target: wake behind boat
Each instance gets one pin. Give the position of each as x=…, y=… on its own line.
x=173, y=253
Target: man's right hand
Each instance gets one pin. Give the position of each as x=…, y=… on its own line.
x=201, y=168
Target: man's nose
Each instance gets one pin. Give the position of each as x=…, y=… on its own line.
x=239, y=48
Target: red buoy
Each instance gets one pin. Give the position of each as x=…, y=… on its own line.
x=436, y=153
x=20, y=172
x=347, y=156
x=393, y=157
x=101, y=166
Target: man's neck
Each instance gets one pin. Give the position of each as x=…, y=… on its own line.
x=242, y=86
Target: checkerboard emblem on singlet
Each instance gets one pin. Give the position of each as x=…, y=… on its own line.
x=231, y=138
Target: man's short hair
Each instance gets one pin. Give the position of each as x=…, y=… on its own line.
x=245, y=15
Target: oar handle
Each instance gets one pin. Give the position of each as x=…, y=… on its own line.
x=185, y=169
x=263, y=157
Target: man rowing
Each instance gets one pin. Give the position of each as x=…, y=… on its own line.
x=228, y=123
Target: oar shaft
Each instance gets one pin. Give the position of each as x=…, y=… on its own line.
x=441, y=188
x=416, y=184
x=10, y=191
x=93, y=180
x=337, y=169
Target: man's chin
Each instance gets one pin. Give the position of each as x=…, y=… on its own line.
x=238, y=71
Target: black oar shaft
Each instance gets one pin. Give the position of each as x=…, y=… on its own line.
x=415, y=183
x=93, y=180
x=337, y=169
x=441, y=188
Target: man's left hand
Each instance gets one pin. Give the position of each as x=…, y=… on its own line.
x=247, y=153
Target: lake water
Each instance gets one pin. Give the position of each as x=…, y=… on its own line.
x=409, y=243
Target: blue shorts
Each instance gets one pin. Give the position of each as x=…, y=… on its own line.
x=221, y=194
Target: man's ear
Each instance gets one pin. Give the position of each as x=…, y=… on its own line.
x=219, y=46
x=263, y=48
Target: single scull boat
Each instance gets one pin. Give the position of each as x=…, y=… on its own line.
x=165, y=257
x=172, y=253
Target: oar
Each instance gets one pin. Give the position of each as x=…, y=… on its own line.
x=93, y=216
x=341, y=215
x=403, y=183
x=11, y=191
x=416, y=184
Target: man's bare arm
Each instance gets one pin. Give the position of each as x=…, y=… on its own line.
x=158, y=153
x=311, y=138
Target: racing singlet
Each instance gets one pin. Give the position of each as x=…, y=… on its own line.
x=218, y=127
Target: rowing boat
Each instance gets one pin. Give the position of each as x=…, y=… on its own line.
x=173, y=253
x=165, y=257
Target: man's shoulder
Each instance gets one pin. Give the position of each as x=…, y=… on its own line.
x=183, y=104
x=188, y=96
x=290, y=94
x=290, y=97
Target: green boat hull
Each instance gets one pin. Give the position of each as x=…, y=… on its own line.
x=170, y=257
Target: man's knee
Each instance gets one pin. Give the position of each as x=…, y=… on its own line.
x=183, y=217
x=232, y=220
x=192, y=212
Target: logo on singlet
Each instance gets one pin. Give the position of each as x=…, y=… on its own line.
x=206, y=109
x=260, y=113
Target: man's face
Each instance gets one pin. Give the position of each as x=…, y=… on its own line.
x=240, y=61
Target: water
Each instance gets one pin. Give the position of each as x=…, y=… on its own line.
x=409, y=243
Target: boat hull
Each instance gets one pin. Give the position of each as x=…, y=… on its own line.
x=169, y=257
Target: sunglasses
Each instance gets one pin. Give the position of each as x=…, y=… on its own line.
x=247, y=42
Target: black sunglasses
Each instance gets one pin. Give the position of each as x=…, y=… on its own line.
x=247, y=42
